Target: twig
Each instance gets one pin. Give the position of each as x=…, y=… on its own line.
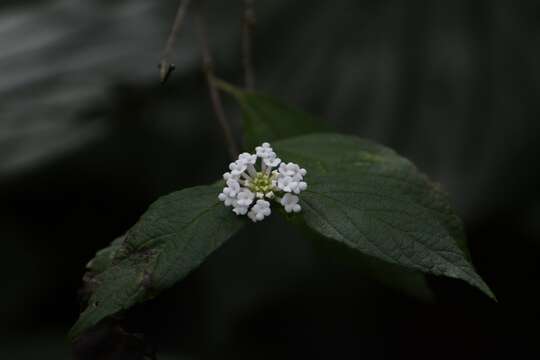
x=208, y=69
x=248, y=24
x=165, y=67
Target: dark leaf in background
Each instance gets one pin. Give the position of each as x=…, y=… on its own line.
x=267, y=119
x=109, y=341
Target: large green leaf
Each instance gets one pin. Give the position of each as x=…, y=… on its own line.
x=268, y=119
x=400, y=279
x=366, y=196
x=171, y=239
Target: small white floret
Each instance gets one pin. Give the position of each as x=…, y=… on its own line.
x=287, y=184
x=233, y=188
x=290, y=203
x=265, y=150
x=271, y=161
x=240, y=210
x=247, y=158
x=260, y=210
x=227, y=200
x=245, y=197
x=237, y=168
x=292, y=170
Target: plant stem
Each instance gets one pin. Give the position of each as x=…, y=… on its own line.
x=248, y=24
x=215, y=98
x=226, y=87
x=165, y=67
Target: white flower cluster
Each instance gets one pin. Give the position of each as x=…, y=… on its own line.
x=247, y=187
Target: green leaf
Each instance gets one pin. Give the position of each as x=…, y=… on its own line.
x=102, y=261
x=171, y=239
x=366, y=196
x=104, y=258
x=402, y=280
x=267, y=119
x=406, y=281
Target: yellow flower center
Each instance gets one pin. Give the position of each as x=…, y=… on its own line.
x=262, y=183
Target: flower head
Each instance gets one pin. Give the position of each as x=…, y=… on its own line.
x=275, y=180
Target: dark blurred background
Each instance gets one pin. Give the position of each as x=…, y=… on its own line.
x=89, y=138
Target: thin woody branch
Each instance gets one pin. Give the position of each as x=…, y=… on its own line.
x=215, y=98
x=165, y=66
x=248, y=25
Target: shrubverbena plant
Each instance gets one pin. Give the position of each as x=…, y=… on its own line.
x=346, y=189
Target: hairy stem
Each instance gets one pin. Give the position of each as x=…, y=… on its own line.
x=165, y=66
x=215, y=98
x=248, y=24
